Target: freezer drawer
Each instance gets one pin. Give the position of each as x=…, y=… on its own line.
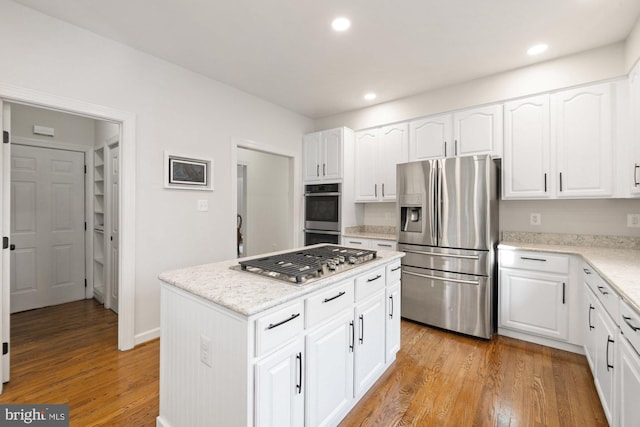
x=453, y=301
x=456, y=260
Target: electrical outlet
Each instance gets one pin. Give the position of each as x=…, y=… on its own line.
x=536, y=219
x=205, y=351
x=633, y=220
x=203, y=205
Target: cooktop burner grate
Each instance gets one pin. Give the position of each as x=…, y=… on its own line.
x=307, y=263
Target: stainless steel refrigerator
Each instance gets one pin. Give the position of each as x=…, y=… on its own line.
x=448, y=228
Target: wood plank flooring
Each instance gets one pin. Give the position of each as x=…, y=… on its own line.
x=68, y=354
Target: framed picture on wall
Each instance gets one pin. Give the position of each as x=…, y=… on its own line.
x=187, y=172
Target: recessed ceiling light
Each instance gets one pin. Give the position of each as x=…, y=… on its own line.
x=370, y=96
x=537, y=49
x=341, y=24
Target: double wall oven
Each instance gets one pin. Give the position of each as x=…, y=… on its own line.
x=322, y=212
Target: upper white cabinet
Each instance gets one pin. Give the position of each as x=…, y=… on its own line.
x=559, y=145
x=634, y=161
x=582, y=132
x=478, y=131
x=527, y=148
x=323, y=155
x=378, y=151
x=429, y=137
x=468, y=132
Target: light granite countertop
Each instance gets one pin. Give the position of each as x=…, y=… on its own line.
x=618, y=267
x=248, y=293
x=371, y=232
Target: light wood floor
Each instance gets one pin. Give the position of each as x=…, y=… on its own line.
x=67, y=354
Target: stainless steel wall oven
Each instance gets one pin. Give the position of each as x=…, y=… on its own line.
x=322, y=212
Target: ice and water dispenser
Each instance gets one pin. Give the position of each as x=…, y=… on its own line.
x=411, y=214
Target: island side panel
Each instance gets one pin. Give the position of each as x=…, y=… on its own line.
x=194, y=392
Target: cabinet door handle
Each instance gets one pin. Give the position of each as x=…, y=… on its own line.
x=324, y=169
x=334, y=297
x=586, y=271
x=626, y=320
x=533, y=259
x=455, y=147
x=375, y=190
x=564, y=286
x=391, y=307
x=361, y=337
x=635, y=175
x=545, y=182
x=353, y=336
x=600, y=288
x=383, y=189
x=374, y=278
x=444, y=154
x=299, y=385
x=590, y=325
x=397, y=268
x=275, y=325
x=560, y=181
x=609, y=341
x=317, y=170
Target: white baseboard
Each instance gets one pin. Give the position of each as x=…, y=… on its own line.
x=147, y=336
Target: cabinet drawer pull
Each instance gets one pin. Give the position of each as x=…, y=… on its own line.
x=600, y=288
x=355, y=242
x=384, y=245
x=397, y=268
x=609, y=341
x=335, y=297
x=533, y=259
x=626, y=320
x=361, y=338
x=373, y=279
x=586, y=271
x=590, y=325
x=275, y=325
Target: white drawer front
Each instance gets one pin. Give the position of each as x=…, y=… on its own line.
x=630, y=325
x=607, y=296
x=394, y=272
x=322, y=306
x=278, y=327
x=370, y=283
x=537, y=261
x=384, y=245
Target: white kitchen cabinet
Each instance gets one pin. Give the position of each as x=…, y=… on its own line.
x=365, y=243
x=633, y=168
x=589, y=330
x=323, y=155
x=369, y=342
x=604, y=374
x=527, y=149
x=534, y=303
x=279, y=387
x=330, y=361
x=393, y=320
x=429, y=137
x=582, y=137
x=477, y=131
x=378, y=151
x=628, y=372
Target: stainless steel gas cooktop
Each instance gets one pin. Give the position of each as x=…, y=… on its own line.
x=305, y=265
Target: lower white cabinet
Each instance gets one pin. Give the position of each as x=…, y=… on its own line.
x=370, y=342
x=330, y=370
x=374, y=244
x=590, y=305
x=629, y=384
x=278, y=387
x=605, y=348
x=393, y=320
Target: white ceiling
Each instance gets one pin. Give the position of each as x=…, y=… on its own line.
x=285, y=51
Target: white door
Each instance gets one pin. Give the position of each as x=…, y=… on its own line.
x=478, y=131
x=114, y=227
x=366, y=165
x=5, y=223
x=430, y=138
x=393, y=148
x=47, y=227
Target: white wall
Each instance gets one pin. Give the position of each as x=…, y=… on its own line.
x=69, y=128
x=176, y=110
x=269, y=217
x=632, y=48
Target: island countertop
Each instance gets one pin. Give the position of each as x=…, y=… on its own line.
x=248, y=293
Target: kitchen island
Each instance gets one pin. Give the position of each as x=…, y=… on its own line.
x=239, y=349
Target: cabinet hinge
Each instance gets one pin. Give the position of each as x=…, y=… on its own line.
x=5, y=137
x=5, y=348
x=5, y=243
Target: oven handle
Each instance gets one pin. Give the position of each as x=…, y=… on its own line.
x=443, y=255
x=443, y=279
x=333, y=233
x=321, y=194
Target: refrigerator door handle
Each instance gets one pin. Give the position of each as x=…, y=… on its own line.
x=439, y=181
x=476, y=257
x=443, y=279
